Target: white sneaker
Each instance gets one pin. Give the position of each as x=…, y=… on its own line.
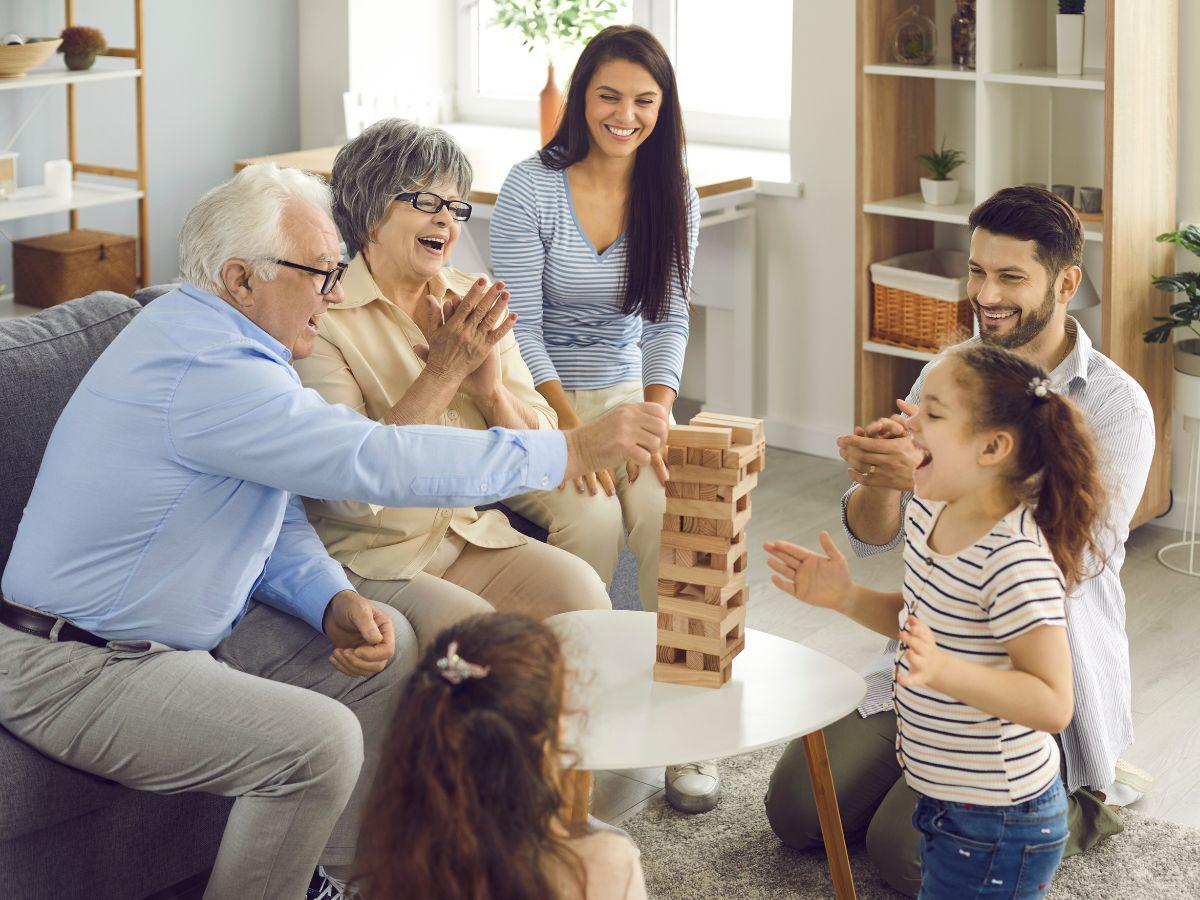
x=1129, y=774
x=329, y=888
x=693, y=787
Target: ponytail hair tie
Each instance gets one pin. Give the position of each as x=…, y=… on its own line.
x=1039, y=388
x=456, y=670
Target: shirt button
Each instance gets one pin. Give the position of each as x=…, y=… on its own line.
x=545, y=480
x=929, y=560
x=483, y=486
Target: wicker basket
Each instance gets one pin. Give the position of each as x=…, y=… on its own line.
x=59, y=267
x=920, y=300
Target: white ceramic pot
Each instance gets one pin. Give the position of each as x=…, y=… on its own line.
x=1070, y=44
x=1187, y=357
x=939, y=193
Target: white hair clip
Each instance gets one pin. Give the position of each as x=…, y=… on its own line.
x=456, y=670
x=1039, y=387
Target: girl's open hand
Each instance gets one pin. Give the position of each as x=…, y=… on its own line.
x=925, y=659
x=820, y=579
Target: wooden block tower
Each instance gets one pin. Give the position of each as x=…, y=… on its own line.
x=702, y=590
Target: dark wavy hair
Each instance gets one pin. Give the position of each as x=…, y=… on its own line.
x=656, y=242
x=467, y=793
x=1056, y=471
x=1029, y=213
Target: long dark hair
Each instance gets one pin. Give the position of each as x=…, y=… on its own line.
x=656, y=220
x=466, y=795
x=1056, y=470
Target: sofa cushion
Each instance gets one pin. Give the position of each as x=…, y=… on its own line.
x=153, y=292
x=43, y=357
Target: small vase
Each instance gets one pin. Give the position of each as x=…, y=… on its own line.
x=79, y=61
x=551, y=100
x=962, y=34
x=1187, y=357
x=1070, y=44
x=937, y=192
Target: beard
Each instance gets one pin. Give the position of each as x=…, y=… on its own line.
x=1029, y=325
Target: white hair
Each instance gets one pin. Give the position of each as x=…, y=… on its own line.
x=242, y=219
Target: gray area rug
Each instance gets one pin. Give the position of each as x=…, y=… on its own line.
x=732, y=852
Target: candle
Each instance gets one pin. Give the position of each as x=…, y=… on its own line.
x=58, y=178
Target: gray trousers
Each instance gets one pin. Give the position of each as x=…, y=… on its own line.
x=264, y=718
x=877, y=804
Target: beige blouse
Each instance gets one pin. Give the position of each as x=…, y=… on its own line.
x=364, y=358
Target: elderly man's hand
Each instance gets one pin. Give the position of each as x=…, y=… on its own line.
x=362, y=635
x=468, y=336
x=882, y=455
x=631, y=431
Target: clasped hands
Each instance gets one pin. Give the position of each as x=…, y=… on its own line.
x=882, y=454
x=462, y=348
x=362, y=634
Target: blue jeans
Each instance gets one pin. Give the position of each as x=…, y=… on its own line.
x=969, y=850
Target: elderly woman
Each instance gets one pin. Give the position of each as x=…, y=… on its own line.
x=387, y=351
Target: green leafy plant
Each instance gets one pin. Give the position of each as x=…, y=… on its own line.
x=1185, y=313
x=80, y=40
x=942, y=162
x=1071, y=7
x=549, y=24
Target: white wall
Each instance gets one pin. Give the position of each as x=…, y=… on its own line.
x=221, y=85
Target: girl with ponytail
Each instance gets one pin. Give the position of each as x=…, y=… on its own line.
x=1003, y=522
x=467, y=802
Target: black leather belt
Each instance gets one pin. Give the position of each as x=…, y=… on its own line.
x=40, y=624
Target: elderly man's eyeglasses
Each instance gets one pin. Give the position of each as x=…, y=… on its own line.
x=331, y=276
x=432, y=203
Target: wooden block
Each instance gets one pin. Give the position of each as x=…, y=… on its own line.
x=704, y=509
x=686, y=641
x=693, y=609
x=736, y=525
x=665, y=654
x=672, y=523
x=704, y=474
x=684, y=557
x=737, y=491
x=669, y=588
x=695, y=575
x=759, y=463
x=702, y=542
x=694, y=658
x=745, y=431
x=694, y=436
x=676, y=674
x=739, y=455
x=676, y=456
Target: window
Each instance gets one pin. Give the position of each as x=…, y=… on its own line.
x=734, y=72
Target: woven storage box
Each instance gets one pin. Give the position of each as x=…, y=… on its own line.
x=56, y=268
x=921, y=300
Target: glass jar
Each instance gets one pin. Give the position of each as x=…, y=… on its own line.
x=962, y=34
x=912, y=38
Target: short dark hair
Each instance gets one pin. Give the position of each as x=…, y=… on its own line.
x=1030, y=213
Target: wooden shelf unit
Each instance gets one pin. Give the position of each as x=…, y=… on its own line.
x=1019, y=121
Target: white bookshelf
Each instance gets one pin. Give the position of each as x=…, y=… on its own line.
x=34, y=201
x=1018, y=121
x=49, y=76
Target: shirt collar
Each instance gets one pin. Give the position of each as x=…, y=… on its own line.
x=241, y=324
x=359, y=287
x=1075, y=365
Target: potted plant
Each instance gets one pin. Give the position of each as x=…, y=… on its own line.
x=80, y=46
x=1070, y=37
x=549, y=25
x=941, y=189
x=1185, y=313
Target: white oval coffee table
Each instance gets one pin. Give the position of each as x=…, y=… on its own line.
x=779, y=690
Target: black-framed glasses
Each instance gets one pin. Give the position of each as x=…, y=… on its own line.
x=432, y=203
x=332, y=276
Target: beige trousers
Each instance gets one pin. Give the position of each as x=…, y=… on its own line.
x=594, y=528
x=533, y=579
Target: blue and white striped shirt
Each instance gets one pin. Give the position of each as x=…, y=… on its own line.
x=568, y=296
x=1122, y=422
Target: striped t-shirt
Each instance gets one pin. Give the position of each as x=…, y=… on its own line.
x=568, y=296
x=1000, y=588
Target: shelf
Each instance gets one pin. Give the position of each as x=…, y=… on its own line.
x=32, y=201
x=952, y=73
x=1047, y=76
x=48, y=77
x=912, y=206
x=902, y=352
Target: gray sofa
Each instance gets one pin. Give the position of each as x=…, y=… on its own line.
x=63, y=833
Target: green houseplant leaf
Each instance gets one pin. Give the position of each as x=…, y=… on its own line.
x=1186, y=312
x=942, y=162
x=548, y=24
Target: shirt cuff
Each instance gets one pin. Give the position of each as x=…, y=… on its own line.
x=310, y=604
x=547, y=460
x=860, y=547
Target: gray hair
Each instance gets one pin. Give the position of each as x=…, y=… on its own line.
x=242, y=219
x=393, y=156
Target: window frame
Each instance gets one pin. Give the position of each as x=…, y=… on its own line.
x=656, y=15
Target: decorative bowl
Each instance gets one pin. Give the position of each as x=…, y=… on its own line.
x=17, y=59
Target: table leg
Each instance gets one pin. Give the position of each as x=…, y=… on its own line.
x=827, y=811
x=577, y=795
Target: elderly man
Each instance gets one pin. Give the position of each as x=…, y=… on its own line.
x=168, y=610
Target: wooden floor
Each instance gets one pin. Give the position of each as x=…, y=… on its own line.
x=798, y=496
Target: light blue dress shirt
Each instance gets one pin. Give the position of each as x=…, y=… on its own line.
x=169, y=493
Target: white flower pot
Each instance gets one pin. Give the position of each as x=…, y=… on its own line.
x=1070, y=44
x=939, y=193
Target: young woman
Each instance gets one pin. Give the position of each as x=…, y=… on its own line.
x=594, y=238
x=1007, y=503
x=467, y=801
